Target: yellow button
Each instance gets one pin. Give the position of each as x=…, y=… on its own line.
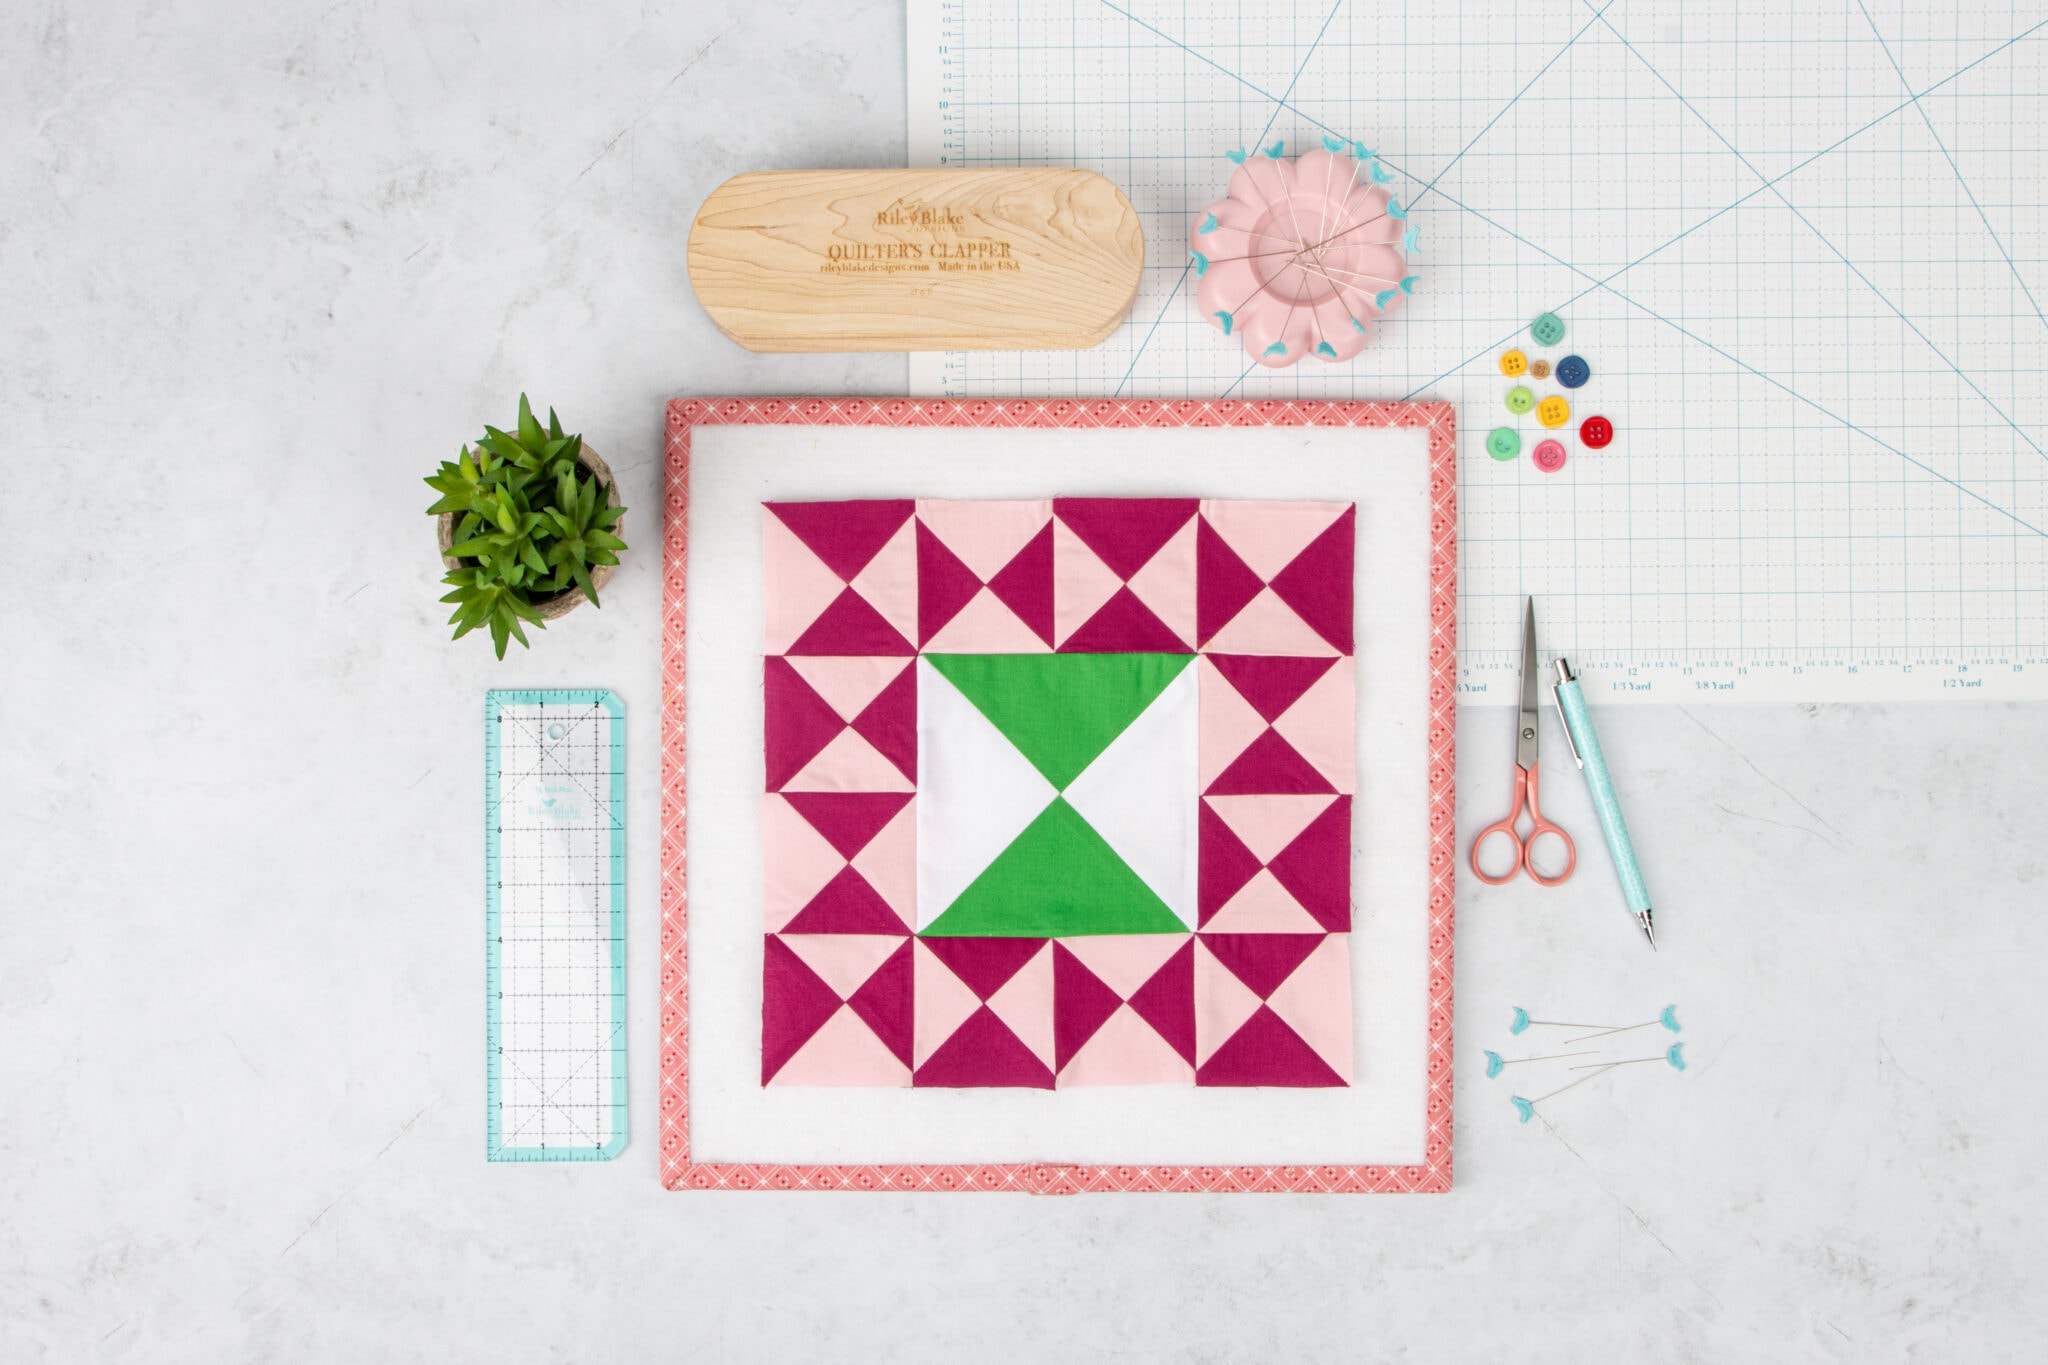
x=1553, y=411
x=1513, y=364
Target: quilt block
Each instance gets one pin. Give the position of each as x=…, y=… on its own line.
x=1058, y=792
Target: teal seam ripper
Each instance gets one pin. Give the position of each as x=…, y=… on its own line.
x=1578, y=730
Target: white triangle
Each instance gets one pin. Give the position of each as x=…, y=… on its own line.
x=1262, y=906
x=847, y=684
x=1126, y=1051
x=976, y=793
x=1081, y=582
x=1141, y=794
x=986, y=626
x=1268, y=625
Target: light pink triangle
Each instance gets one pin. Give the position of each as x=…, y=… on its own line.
x=889, y=862
x=845, y=961
x=1222, y=1003
x=889, y=582
x=1081, y=582
x=1262, y=906
x=985, y=535
x=986, y=626
x=1167, y=583
x=1268, y=824
x=849, y=764
x=1316, y=1002
x=796, y=585
x=1024, y=1004
x=845, y=1051
x=1269, y=626
x=796, y=861
x=943, y=1003
x=1322, y=725
x=1127, y=1051
x=847, y=684
x=1124, y=962
x=1268, y=535
x=1227, y=722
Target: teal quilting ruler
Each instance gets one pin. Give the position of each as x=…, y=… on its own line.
x=555, y=924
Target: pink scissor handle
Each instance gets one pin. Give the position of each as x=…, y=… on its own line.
x=1505, y=825
x=1526, y=789
x=1537, y=830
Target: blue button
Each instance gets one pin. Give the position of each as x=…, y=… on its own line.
x=1572, y=372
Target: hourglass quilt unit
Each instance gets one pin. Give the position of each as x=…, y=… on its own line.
x=1058, y=793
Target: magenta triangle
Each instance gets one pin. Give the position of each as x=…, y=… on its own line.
x=796, y=723
x=890, y=722
x=1124, y=625
x=1270, y=682
x=984, y=963
x=851, y=626
x=983, y=1052
x=1261, y=961
x=846, y=905
x=1266, y=1052
x=845, y=535
x=944, y=584
x=795, y=1003
x=1167, y=1001
x=1024, y=585
x=848, y=819
x=1269, y=766
x=1080, y=1004
x=1316, y=867
x=1317, y=583
x=1223, y=582
x=1124, y=532
x=1225, y=864
x=884, y=1002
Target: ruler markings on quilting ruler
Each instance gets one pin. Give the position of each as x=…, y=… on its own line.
x=555, y=924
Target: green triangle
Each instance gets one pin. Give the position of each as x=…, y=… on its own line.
x=1057, y=879
x=1060, y=710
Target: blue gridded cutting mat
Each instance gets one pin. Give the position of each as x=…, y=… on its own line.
x=555, y=917
x=1803, y=249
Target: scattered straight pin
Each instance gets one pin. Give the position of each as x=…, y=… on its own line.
x=1523, y=1021
x=1527, y=1108
x=1672, y=1056
x=1494, y=1064
x=1669, y=1019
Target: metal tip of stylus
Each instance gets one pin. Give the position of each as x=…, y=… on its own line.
x=1649, y=933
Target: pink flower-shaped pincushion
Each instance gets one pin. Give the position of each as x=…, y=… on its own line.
x=1303, y=256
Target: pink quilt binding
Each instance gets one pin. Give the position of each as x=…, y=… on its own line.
x=678, y=1171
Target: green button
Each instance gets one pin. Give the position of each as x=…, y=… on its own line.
x=1503, y=444
x=1547, y=330
x=1520, y=400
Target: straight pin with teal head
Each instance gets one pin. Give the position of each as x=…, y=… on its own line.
x=1495, y=1065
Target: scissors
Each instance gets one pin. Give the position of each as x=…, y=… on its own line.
x=1525, y=783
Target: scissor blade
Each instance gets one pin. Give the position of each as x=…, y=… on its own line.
x=1525, y=723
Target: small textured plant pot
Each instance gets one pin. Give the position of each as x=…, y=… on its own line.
x=561, y=603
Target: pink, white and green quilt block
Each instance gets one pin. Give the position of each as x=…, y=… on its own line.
x=1058, y=793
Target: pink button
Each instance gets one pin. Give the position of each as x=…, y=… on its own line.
x=1549, y=456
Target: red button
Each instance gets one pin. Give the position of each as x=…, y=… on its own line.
x=1596, y=432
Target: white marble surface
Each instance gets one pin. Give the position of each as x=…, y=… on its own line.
x=259, y=267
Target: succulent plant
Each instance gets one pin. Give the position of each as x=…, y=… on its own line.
x=530, y=522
